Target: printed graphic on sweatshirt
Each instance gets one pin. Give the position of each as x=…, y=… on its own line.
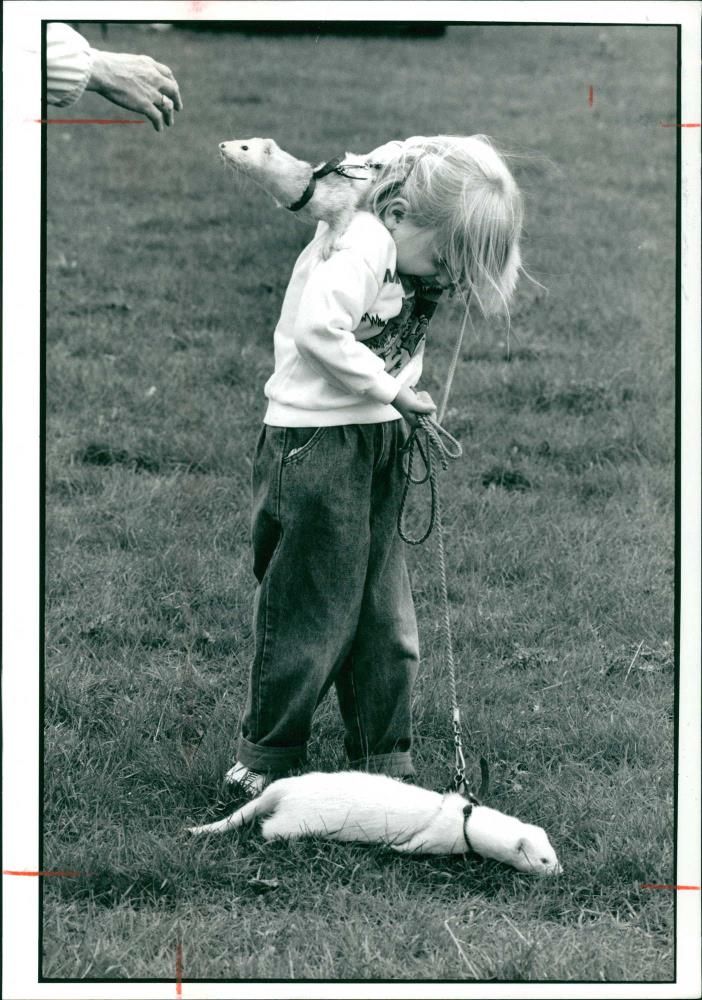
x=373, y=319
x=401, y=336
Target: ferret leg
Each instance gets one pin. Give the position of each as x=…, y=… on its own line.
x=408, y=847
x=329, y=243
x=337, y=227
x=265, y=803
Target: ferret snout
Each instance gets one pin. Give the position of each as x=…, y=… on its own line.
x=535, y=854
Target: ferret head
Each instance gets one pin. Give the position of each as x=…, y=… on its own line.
x=248, y=154
x=277, y=172
x=495, y=835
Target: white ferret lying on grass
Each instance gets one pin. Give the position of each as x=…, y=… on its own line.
x=330, y=192
x=376, y=809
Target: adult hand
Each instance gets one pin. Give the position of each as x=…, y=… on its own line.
x=413, y=404
x=138, y=83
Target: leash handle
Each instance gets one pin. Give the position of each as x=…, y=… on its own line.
x=437, y=442
x=450, y=447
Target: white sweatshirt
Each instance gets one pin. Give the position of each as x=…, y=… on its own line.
x=69, y=60
x=346, y=340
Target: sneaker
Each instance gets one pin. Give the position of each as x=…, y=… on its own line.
x=250, y=782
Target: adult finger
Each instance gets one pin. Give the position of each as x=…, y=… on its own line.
x=151, y=112
x=165, y=107
x=170, y=88
x=165, y=70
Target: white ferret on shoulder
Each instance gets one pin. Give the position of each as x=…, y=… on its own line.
x=377, y=809
x=330, y=192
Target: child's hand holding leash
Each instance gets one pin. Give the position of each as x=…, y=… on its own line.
x=413, y=405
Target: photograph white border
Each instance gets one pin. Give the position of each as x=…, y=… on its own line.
x=21, y=481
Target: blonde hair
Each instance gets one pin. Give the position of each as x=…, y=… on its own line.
x=461, y=186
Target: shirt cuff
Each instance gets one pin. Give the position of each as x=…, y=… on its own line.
x=69, y=63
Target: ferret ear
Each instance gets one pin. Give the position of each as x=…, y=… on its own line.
x=268, y=147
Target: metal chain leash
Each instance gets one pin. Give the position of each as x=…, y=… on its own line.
x=458, y=782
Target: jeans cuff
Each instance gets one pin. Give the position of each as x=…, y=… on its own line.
x=396, y=765
x=273, y=760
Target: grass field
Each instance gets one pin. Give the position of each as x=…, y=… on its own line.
x=164, y=280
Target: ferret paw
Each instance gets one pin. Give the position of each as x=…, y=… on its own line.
x=331, y=242
x=327, y=248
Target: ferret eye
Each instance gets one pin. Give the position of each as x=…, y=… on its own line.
x=544, y=861
x=244, y=147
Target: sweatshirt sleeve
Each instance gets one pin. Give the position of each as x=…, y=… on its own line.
x=68, y=64
x=337, y=294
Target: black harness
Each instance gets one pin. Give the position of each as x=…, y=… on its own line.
x=467, y=811
x=332, y=166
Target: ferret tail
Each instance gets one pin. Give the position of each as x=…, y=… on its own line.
x=263, y=804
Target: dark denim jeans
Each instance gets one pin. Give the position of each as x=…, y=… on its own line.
x=333, y=605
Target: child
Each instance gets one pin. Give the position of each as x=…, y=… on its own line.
x=333, y=604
